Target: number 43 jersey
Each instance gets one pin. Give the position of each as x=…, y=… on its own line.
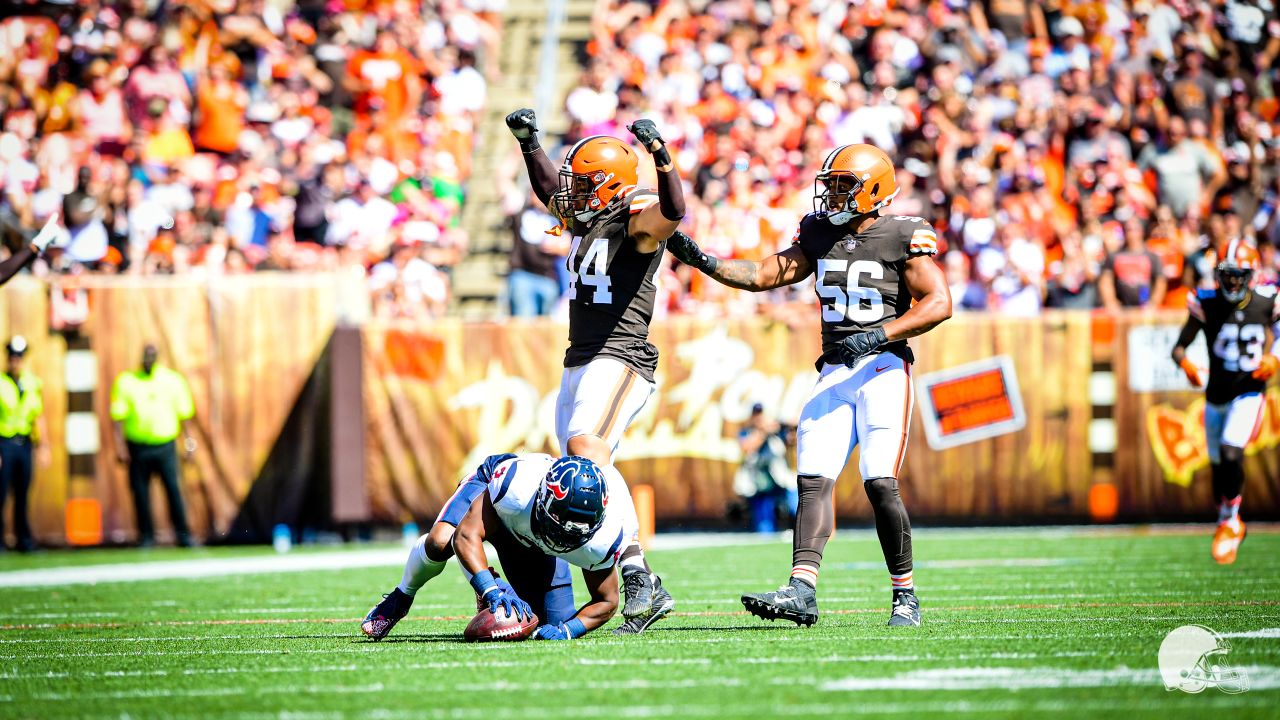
x=1237, y=338
x=860, y=277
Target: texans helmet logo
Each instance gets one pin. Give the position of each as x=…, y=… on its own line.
x=556, y=485
x=501, y=471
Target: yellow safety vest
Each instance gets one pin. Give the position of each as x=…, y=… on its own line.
x=151, y=407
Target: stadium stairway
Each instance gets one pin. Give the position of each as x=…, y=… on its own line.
x=479, y=280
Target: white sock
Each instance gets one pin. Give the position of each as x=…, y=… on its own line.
x=419, y=568
x=634, y=560
x=902, y=582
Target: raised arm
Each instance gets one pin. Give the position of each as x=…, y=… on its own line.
x=785, y=268
x=30, y=251
x=542, y=172
x=651, y=225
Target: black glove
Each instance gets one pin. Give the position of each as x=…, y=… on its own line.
x=524, y=125
x=647, y=133
x=855, y=347
x=688, y=252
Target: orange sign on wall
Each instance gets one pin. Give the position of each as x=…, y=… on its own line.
x=970, y=402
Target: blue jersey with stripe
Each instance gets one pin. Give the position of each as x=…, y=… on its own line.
x=514, y=487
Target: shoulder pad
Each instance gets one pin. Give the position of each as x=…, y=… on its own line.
x=641, y=199
x=491, y=463
x=922, y=239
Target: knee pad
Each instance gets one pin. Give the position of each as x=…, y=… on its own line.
x=1232, y=454
x=814, y=484
x=438, y=544
x=881, y=490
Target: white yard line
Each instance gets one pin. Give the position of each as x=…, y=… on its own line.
x=294, y=562
x=211, y=567
x=202, y=567
x=1265, y=633
x=1261, y=677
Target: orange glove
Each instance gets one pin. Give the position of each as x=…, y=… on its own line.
x=1193, y=372
x=1267, y=368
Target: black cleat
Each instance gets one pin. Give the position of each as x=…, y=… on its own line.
x=663, y=603
x=384, y=616
x=638, y=587
x=788, y=602
x=906, y=609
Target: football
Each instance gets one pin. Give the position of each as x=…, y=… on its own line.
x=487, y=626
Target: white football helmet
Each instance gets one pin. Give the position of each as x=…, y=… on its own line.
x=1193, y=657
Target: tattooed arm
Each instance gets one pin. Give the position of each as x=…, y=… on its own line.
x=785, y=268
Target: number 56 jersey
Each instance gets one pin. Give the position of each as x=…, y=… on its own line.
x=860, y=277
x=1237, y=338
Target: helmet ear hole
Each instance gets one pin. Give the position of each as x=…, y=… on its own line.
x=875, y=190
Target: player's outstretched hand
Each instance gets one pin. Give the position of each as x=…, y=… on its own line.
x=1268, y=367
x=855, y=347
x=1192, y=372
x=509, y=601
x=688, y=252
x=522, y=123
x=46, y=235
x=647, y=134
x=553, y=632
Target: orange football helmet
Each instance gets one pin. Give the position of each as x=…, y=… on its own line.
x=596, y=171
x=1235, y=271
x=854, y=180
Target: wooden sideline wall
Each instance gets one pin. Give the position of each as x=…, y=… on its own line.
x=440, y=396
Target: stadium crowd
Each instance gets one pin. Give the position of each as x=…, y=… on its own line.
x=1070, y=154
x=226, y=136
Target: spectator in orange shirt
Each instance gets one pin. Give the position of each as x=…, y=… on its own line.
x=220, y=108
x=386, y=80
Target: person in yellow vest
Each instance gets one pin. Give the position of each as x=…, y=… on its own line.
x=149, y=407
x=21, y=426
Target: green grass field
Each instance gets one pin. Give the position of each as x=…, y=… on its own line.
x=1018, y=623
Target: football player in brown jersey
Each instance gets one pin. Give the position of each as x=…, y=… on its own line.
x=620, y=230
x=878, y=285
x=1235, y=318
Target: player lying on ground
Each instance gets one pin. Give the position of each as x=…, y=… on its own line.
x=619, y=230
x=529, y=493
x=1235, y=319
x=869, y=270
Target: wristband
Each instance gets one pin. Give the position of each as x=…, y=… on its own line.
x=483, y=582
x=530, y=144
x=575, y=628
x=662, y=159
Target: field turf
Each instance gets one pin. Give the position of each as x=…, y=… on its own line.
x=1018, y=623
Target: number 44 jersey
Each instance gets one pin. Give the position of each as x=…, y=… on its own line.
x=611, y=293
x=860, y=278
x=1237, y=339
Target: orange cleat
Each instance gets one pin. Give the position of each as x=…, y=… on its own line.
x=1226, y=541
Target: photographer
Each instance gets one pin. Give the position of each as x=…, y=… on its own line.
x=764, y=479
